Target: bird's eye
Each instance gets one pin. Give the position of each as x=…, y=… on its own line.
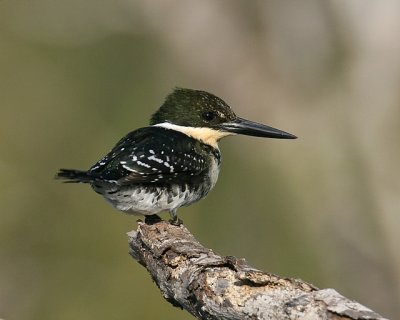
x=208, y=115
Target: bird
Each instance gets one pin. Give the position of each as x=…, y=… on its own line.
x=173, y=162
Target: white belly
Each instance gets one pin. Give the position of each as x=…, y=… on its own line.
x=148, y=199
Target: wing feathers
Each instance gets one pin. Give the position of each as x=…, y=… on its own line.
x=153, y=154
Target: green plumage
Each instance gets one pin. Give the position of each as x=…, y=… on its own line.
x=187, y=107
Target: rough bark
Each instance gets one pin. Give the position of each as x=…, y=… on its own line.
x=209, y=286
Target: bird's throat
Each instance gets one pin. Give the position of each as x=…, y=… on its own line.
x=206, y=135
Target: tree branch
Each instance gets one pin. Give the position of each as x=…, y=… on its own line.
x=209, y=286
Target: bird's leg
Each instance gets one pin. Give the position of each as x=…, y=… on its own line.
x=152, y=219
x=174, y=218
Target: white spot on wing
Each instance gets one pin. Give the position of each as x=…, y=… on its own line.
x=128, y=168
x=171, y=168
x=140, y=163
x=155, y=159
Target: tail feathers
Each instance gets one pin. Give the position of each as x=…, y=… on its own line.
x=74, y=176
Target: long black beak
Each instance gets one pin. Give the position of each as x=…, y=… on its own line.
x=250, y=128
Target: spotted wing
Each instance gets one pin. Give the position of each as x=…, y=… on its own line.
x=153, y=155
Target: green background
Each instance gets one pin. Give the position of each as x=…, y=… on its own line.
x=75, y=76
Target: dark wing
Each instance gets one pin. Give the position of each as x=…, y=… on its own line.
x=153, y=155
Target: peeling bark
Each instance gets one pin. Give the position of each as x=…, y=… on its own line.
x=209, y=286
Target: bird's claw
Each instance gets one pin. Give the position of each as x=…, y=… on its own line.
x=176, y=221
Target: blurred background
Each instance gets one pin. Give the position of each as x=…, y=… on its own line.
x=78, y=75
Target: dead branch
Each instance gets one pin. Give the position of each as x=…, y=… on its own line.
x=209, y=286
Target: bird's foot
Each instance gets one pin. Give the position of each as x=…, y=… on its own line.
x=176, y=221
x=152, y=219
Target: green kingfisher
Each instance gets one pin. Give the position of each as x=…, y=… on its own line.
x=174, y=161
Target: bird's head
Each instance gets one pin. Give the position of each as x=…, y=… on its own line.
x=206, y=117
